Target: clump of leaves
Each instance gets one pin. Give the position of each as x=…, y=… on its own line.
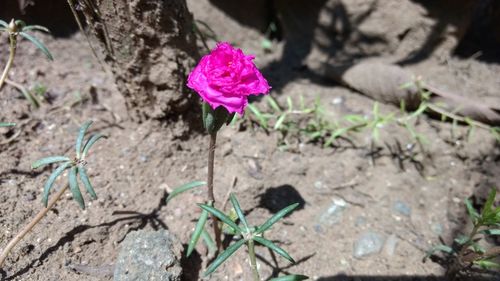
x=19, y=28
x=467, y=253
x=76, y=166
x=247, y=235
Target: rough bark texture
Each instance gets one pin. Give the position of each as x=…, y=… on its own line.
x=150, y=47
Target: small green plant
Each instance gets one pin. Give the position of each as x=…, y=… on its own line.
x=248, y=235
x=467, y=253
x=76, y=166
x=19, y=28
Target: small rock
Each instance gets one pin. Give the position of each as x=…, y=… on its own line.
x=318, y=184
x=401, y=208
x=390, y=245
x=30, y=196
x=143, y=158
x=437, y=228
x=360, y=221
x=254, y=169
x=333, y=214
x=77, y=250
x=149, y=255
x=338, y=100
x=368, y=244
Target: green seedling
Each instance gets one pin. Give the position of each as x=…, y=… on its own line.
x=247, y=235
x=76, y=167
x=467, y=253
x=18, y=28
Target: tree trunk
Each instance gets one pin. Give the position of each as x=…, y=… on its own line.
x=150, y=47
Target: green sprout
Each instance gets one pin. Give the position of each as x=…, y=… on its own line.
x=247, y=234
x=467, y=253
x=76, y=167
x=19, y=28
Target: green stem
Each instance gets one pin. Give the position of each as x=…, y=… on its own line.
x=253, y=260
x=13, y=43
x=210, y=185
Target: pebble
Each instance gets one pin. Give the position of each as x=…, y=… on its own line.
x=318, y=184
x=390, y=245
x=437, y=228
x=401, y=208
x=333, y=214
x=338, y=100
x=367, y=244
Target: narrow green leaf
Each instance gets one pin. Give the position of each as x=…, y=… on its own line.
x=290, y=278
x=239, y=212
x=488, y=206
x=36, y=27
x=274, y=247
x=493, y=232
x=462, y=239
x=262, y=120
x=92, y=140
x=438, y=248
x=86, y=182
x=487, y=264
x=38, y=44
x=265, y=226
x=50, y=181
x=354, y=118
x=29, y=96
x=208, y=241
x=224, y=256
x=81, y=135
x=280, y=121
x=48, y=160
x=273, y=104
x=200, y=227
x=7, y=124
x=4, y=24
x=184, y=188
x=221, y=216
x=290, y=103
x=473, y=214
x=73, y=186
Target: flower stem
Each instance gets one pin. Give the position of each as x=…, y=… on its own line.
x=253, y=261
x=13, y=43
x=210, y=184
x=30, y=226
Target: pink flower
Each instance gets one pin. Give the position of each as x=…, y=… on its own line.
x=227, y=77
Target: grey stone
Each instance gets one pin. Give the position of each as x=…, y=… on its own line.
x=149, y=256
x=333, y=214
x=367, y=244
x=390, y=245
x=402, y=208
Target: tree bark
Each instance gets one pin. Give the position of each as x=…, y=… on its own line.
x=150, y=47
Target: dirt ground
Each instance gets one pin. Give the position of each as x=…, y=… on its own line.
x=410, y=206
